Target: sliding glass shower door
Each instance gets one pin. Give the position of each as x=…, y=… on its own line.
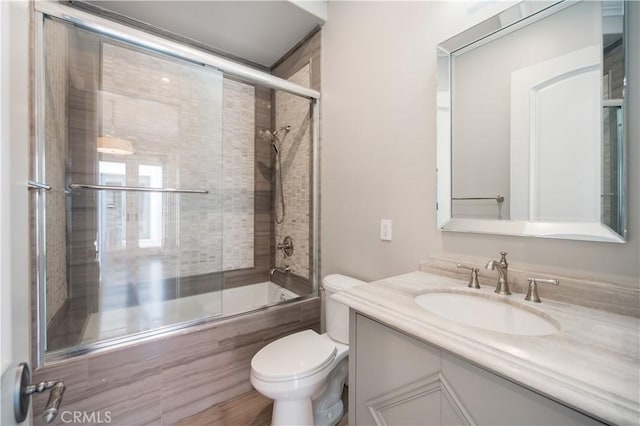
x=132, y=226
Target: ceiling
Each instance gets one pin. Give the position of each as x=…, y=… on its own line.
x=256, y=31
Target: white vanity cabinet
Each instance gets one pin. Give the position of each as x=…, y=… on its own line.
x=396, y=379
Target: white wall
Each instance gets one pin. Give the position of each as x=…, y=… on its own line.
x=379, y=147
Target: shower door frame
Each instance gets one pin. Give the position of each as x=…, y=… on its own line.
x=123, y=33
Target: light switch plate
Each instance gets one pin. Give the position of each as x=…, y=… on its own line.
x=385, y=229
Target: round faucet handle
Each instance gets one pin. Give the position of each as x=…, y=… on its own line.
x=503, y=258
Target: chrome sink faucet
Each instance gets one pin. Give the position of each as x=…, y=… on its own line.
x=501, y=266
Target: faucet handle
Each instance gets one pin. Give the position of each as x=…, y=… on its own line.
x=503, y=257
x=532, y=293
x=473, y=280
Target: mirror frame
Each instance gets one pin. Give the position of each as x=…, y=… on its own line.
x=511, y=19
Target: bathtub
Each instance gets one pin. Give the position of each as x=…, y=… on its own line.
x=114, y=323
x=247, y=298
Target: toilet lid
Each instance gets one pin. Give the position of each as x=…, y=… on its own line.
x=293, y=357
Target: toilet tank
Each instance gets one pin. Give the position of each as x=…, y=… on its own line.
x=336, y=313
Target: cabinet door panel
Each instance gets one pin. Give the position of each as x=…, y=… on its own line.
x=413, y=411
x=391, y=369
x=450, y=414
x=490, y=399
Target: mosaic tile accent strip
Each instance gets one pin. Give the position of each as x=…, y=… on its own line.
x=239, y=160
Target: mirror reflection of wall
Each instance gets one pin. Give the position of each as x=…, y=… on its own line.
x=483, y=145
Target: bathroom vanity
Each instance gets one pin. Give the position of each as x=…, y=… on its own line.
x=411, y=366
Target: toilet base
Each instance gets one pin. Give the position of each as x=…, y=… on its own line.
x=328, y=407
x=296, y=412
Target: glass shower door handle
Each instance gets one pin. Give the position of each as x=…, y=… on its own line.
x=23, y=391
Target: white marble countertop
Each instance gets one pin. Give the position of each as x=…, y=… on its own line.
x=592, y=364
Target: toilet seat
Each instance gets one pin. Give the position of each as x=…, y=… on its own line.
x=293, y=357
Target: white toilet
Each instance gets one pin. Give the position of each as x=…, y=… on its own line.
x=304, y=373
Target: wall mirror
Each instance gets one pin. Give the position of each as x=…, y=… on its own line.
x=530, y=114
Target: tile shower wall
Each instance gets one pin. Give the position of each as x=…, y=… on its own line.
x=170, y=112
x=262, y=232
x=82, y=212
x=302, y=62
x=55, y=151
x=239, y=192
x=144, y=88
x=295, y=158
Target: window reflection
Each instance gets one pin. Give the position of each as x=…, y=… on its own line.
x=150, y=207
x=112, y=211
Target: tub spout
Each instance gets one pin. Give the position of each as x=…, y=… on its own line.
x=284, y=270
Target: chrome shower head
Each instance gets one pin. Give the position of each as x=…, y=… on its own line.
x=272, y=137
x=269, y=136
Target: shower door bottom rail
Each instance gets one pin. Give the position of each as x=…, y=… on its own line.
x=75, y=186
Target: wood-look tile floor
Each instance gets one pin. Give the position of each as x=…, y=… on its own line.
x=251, y=409
x=248, y=409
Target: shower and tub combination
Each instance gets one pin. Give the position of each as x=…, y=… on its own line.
x=161, y=187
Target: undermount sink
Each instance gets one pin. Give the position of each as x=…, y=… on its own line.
x=486, y=313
